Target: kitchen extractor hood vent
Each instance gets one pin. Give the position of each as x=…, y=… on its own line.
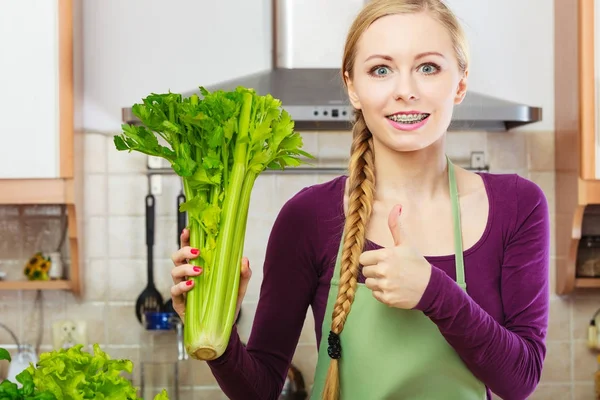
x=316, y=98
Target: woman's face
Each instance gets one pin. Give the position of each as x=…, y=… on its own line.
x=406, y=80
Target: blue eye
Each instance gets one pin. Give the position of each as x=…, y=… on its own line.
x=429, y=69
x=380, y=70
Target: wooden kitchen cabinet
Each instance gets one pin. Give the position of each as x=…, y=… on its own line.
x=577, y=144
x=589, y=85
x=38, y=160
x=36, y=101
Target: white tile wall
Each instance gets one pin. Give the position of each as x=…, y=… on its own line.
x=95, y=158
x=95, y=241
x=96, y=204
x=126, y=195
x=460, y=145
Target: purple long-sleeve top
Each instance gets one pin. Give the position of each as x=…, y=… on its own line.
x=498, y=328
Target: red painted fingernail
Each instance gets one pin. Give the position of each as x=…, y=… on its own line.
x=197, y=269
x=194, y=251
x=189, y=283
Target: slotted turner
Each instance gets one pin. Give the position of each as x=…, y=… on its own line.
x=150, y=299
x=181, y=222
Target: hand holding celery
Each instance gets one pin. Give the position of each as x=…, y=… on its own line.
x=183, y=271
x=218, y=145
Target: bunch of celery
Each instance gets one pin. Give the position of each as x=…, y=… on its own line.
x=218, y=144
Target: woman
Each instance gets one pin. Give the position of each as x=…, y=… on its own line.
x=426, y=280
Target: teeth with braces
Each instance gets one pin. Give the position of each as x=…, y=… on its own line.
x=408, y=118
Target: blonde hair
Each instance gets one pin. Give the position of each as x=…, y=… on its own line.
x=361, y=180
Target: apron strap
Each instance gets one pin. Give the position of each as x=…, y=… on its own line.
x=458, y=243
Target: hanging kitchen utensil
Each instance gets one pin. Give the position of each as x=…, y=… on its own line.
x=150, y=299
x=169, y=307
x=181, y=222
x=294, y=387
x=181, y=217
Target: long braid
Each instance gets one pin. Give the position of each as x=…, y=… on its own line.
x=360, y=204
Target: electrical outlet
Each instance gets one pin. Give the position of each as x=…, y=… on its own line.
x=477, y=160
x=68, y=333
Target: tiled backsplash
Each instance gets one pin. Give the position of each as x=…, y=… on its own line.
x=114, y=252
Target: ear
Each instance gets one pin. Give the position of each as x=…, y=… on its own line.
x=461, y=90
x=351, y=92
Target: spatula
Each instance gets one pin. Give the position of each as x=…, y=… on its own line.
x=150, y=299
x=181, y=222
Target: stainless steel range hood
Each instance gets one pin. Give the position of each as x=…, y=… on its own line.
x=313, y=93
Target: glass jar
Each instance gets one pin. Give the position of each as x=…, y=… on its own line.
x=160, y=352
x=588, y=257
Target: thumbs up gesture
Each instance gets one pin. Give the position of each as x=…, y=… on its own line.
x=396, y=275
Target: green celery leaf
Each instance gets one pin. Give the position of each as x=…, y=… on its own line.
x=290, y=161
x=191, y=206
x=305, y=154
x=184, y=166
x=212, y=160
x=139, y=138
x=209, y=218
x=120, y=143
x=275, y=165
x=171, y=127
x=291, y=142
x=262, y=132
x=201, y=177
x=216, y=137
x=229, y=128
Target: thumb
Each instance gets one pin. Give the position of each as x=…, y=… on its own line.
x=394, y=224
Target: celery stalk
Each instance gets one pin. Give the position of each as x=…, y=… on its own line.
x=218, y=145
x=207, y=335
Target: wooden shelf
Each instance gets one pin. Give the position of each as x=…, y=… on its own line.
x=74, y=282
x=583, y=224
x=36, y=191
x=587, y=282
x=36, y=285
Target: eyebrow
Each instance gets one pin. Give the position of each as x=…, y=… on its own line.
x=421, y=55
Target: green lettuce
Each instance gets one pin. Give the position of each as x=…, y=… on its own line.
x=162, y=395
x=73, y=374
x=10, y=390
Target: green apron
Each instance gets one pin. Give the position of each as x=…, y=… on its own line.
x=391, y=353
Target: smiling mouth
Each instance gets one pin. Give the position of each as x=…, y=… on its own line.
x=408, y=118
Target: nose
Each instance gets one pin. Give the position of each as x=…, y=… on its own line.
x=405, y=87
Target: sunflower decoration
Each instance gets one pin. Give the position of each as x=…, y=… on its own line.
x=37, y=268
